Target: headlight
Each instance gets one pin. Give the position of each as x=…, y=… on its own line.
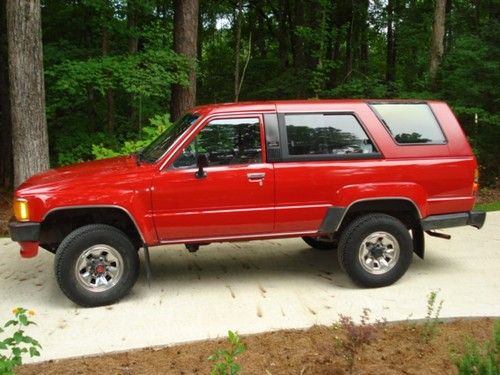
x=21, y=211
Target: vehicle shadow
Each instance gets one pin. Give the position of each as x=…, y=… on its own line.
x=263, y=260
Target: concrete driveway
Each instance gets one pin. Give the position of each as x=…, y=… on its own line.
x=249, y=287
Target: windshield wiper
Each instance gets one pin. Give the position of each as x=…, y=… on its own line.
x=138, y=157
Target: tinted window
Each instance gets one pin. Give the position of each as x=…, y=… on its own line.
x=225, y=142
x=410, y=123
x=326, y=134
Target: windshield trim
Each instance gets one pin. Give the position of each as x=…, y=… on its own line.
x=175, y=141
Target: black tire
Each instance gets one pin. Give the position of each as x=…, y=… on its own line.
x=321, y=244
x=356, y=240
x=106, y=241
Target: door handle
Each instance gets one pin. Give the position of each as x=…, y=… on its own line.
x=256, y=176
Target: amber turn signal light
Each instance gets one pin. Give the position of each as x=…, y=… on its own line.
x=475, y=184
x=21, y=211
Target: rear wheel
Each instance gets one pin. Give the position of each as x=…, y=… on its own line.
x=321, y=243
x=375, y=250
x=96, y=265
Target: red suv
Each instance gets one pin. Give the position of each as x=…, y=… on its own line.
x=367, y=178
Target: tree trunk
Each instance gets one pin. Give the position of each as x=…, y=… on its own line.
x=349, y=49
x=390, y=74
x=237, y=51
x=185, y=43
x=27, y=96
x=283, y=32
x=297, y=20
x=133, y=41
x=437, y=43
x=363, y=47
x=6, y=167
x=133, y=47
x=259, y=30
x=110, y=95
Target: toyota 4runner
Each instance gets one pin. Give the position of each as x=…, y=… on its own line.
x=367, y=178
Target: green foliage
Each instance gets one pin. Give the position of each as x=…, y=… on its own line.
x=224, y=359
x=486, y=207
x=98, y=91
x=18, y=344
x=147, y=74
x=430, y=326
x=158, y=125
x=483, y=360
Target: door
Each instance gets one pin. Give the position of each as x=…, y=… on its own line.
x=234, y=198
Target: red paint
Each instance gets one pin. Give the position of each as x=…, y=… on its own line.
x=173, y=206
x=28, y=249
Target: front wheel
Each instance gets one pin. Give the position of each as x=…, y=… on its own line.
x=96, y=265
x=375, y=250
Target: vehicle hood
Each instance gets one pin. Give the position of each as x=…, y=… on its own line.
x=87, y=172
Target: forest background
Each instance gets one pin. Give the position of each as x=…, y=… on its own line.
x=116, y=72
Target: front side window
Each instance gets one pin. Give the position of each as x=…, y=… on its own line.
x=410, y=123
x=225, y=142
x=326, y=134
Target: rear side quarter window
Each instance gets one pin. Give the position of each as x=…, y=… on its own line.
x=323, y=136
x=410, y=123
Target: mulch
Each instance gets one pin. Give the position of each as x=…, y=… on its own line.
x=394, y=349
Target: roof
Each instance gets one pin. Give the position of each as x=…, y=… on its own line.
x=294, y=105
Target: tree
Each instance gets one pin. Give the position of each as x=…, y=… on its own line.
x=437, y=43
x=237, y=51
x=27, y=97
x=185, y=44
x=6, y=125
x=390, y=73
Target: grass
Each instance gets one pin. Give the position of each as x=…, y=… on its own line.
x=485, y=207
x=481, y=359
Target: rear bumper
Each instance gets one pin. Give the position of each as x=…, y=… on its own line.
x=475, y=219
x=27, y=234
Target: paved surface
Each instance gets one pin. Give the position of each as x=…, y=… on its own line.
x=249, y=287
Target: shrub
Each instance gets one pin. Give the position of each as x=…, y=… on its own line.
x=158, y=124
x=429, y=328
x=225, y=360
x=356, y=335
x=18, y=344
x=473, y=361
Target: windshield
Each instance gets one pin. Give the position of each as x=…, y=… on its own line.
x=157, y=148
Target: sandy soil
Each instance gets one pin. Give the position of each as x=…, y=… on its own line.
x=394, y=349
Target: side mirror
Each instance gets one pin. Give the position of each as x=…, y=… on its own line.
x=201, y=162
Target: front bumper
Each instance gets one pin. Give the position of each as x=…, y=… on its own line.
x=27, y=234
x=475, y=219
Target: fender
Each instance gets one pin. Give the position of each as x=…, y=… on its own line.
x=146, y=230
x=350, y=195
x=410, y=191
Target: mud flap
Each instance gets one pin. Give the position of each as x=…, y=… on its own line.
x=417, y=234
x=149, y=274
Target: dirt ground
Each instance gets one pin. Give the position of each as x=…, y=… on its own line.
x=394, y=349
x=488, y=195
x=5, y=212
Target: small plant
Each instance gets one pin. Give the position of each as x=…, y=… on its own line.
x=225, y=359
x=474, y=362
x=430, y=326
x=15, y=346
x=356, y=335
